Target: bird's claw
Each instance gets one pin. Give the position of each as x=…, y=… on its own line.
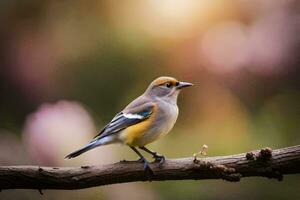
x=147, y=167
x=159, y=159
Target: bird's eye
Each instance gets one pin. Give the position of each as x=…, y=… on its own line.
x=168, y=85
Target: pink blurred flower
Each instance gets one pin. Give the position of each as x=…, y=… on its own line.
x=271, y=42
x=264, y=48
x=55, y=130
x=225, y=47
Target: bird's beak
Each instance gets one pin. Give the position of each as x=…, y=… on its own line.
x=183, y=85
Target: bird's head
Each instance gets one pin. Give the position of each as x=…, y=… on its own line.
x=166, y=87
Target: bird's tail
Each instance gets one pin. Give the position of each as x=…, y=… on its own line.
x=88, y=147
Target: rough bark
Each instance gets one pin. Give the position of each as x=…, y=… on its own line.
x=264, y=163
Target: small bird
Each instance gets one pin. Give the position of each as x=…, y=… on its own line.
x=146, y=119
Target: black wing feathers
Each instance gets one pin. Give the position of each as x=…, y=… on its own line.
x=123, y=120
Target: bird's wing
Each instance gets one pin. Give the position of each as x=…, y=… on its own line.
x=126, y=118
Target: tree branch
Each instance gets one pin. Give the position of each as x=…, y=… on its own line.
x=265, y=163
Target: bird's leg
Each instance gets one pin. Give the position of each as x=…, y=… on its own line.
x=158, y=158
x=143, y=159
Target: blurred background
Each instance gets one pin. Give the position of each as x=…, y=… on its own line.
x=67, y=67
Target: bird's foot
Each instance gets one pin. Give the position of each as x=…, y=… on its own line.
x=146, y=165
x=147, y=168
x=160, y=159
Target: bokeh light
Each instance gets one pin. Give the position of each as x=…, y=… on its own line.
x=55, y=129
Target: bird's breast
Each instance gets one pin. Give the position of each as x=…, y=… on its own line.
x=167, y=119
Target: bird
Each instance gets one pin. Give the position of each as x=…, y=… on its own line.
x=143, y=121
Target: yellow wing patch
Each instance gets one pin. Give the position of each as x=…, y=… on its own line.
x=133, y=135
